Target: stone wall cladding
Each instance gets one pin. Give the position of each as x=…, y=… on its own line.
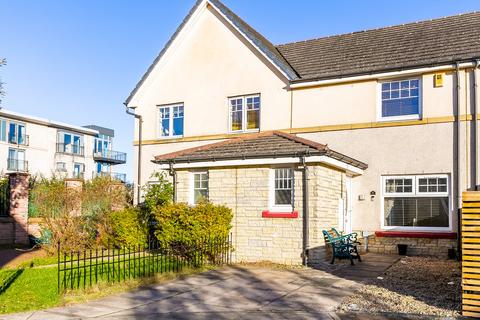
x=246, y=191
x=416, y=246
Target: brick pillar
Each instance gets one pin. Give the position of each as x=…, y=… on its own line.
x=118, y=193
x=76, y=186
x=19, y=205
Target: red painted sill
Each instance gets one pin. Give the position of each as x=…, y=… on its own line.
x=270, y=214
x=411, y=234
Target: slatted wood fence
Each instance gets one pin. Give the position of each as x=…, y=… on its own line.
x=471, y=254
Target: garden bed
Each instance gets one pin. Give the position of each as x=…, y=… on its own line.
x=413, y=285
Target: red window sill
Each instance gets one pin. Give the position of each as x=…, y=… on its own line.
x=412, y=234
x=270, y=214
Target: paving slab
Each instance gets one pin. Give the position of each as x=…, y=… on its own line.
x=236, y=292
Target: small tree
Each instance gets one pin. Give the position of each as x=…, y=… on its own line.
x=158, y=194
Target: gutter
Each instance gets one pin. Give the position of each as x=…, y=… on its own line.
x=305, y=213
x=139, y=159
x=372, y=76
x=457, y=142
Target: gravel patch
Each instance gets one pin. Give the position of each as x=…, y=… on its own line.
x=414, y=285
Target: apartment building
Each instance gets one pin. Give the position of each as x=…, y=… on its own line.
x=45, y=148
x=372, y=131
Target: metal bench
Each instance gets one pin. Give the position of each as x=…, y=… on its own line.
x=342, y=246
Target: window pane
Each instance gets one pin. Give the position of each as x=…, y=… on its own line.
x=237, y=120
x=3, y=130
x=410, y=212
x=283, y=186
x=178, y=126
x=283, y=197
x=253, y=119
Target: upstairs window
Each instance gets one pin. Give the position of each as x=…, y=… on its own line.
x=244, y=113
x=3, y=130
x=171, y=120
x=416, y=202
x=400, y=99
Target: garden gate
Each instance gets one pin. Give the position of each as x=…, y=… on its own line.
x=470, y=225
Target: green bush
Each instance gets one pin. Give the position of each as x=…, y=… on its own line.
x=159, y=193
x=182, y=228
x=124, y=229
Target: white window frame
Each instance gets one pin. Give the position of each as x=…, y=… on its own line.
x=170, y=120
x=271, y=192
x=415, y=194
x=404, y=117
x=244, y=113
x=191, y=193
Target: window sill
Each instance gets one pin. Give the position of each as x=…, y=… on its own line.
x=400, y=118
x=273, y=214
x=417, y=234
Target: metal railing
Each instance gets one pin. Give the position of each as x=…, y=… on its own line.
x=110, y=155
x=114, y=175
x=22, y=139
x=17, y=165
x=81, y=269
x=70, y=148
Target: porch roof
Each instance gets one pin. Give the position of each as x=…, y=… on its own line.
x=271, y=144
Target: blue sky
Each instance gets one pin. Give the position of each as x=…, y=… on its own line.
x=77, y=61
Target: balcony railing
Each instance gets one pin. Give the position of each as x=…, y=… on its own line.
x=110, y=156
x=114, y=175
x=22, y=139
x=17, y=165
x=68, y=148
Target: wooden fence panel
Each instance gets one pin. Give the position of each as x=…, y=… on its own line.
x=470, y=226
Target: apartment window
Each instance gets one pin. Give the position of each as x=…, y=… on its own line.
x=244, y=113
x=171, y=120
x=16, y=133
x=16, y=160
x=416, y=201
x=400, y=99
x=200, y=186
x=61, y=166
x=78, y=170
x=70, y=143
x=3, y=130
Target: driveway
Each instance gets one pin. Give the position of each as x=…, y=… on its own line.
x=236, y=292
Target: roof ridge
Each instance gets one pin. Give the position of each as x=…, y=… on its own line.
x=376, y=29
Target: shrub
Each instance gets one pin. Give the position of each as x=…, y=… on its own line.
x=126, y=228
x=158, y=194
x=182, y=227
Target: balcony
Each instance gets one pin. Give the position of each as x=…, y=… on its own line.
x=110, y=156
x=21, y=140
x=17, y=165
x=72, y=149
x=114, y=175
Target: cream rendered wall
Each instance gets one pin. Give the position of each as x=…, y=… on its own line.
x=203, y=69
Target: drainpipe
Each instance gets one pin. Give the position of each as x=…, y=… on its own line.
x=306, y=218
x=173, y=173
x=475, y=122
x=139, y=160
x=458, y=196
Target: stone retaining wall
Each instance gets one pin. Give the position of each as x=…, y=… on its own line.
x=416, y=246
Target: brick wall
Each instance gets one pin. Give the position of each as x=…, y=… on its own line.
x=246, y=191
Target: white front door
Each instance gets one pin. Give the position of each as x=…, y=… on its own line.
x=347, y=218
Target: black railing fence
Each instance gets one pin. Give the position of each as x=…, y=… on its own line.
x=82, y=269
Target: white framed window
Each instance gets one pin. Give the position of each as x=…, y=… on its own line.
x=198, y=186
x=400, y=99
x=3, y=130
x=282, y=183
x=61, y=167
x=419, y=202
x=244, y=113
x=170, y=120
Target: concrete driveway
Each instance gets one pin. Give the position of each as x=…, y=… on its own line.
x=235, y=292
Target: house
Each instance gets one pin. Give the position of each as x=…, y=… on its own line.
x=45, y=147
x=383, y=122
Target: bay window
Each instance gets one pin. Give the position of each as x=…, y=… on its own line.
x=420, y=201
x=244, y=113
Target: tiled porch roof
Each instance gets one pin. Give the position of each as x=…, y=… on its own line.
x=271, y=144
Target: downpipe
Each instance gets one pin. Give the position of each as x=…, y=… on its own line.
x=306, y=216
x=139, y=158
x=457, y=163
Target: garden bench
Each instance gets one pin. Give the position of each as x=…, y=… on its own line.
x=342, y=246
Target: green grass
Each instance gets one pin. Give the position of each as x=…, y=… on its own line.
x=39, y=261
x=32, y=289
